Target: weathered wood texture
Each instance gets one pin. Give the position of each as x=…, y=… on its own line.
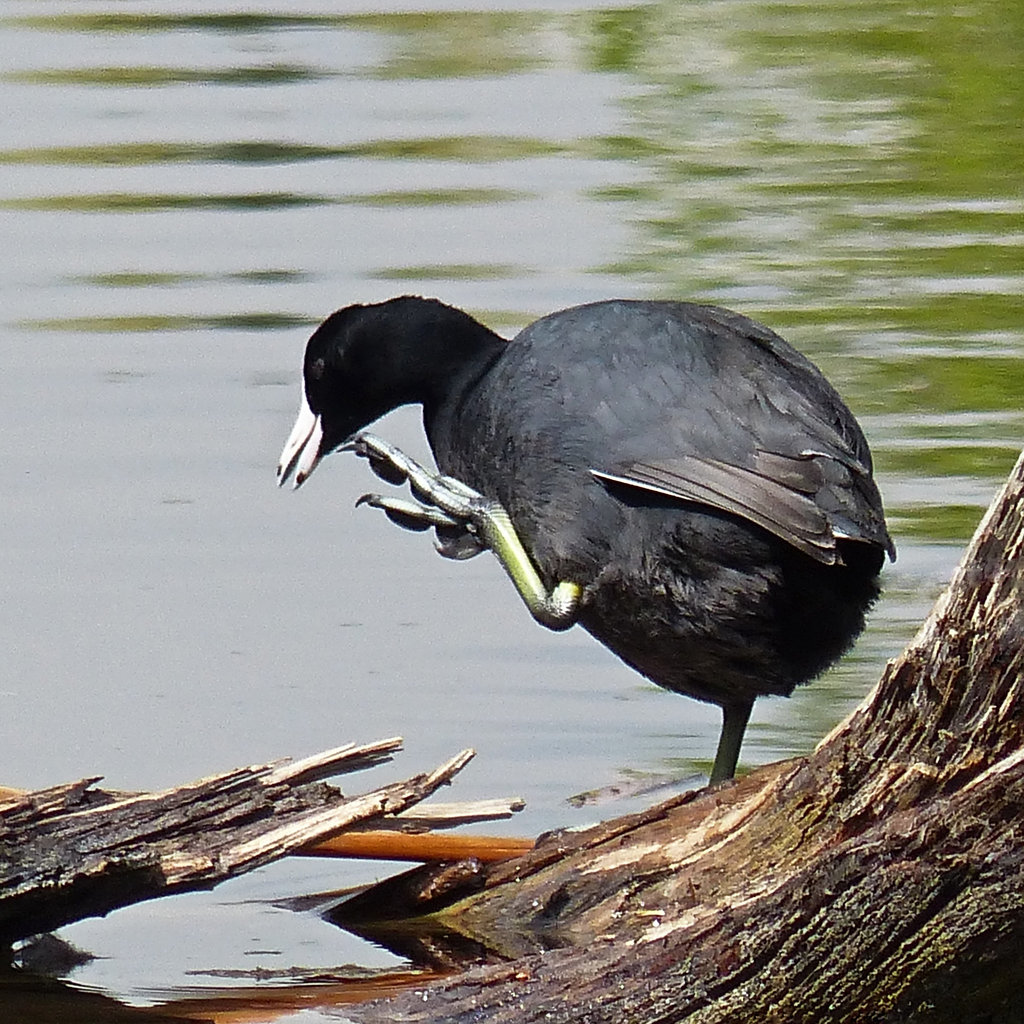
x=73, y=851
x=880, y=879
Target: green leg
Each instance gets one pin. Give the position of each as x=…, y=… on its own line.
x=452, y=505
x=734, y=725
x=556, y=609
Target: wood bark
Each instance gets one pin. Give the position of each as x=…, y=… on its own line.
x=73, y=851
x=879, y=879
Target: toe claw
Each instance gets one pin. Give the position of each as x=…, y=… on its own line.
x=386, y=461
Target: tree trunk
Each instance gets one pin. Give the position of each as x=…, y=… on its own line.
x=879, y=879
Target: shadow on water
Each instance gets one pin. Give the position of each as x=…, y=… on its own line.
x=186, y=192
x=32, y=989
x=33, y=999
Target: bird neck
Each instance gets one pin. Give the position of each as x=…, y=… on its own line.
x=444, y=351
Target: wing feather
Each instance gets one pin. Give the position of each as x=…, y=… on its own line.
x=777, y=493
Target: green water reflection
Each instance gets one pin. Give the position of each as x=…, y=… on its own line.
x=160, y=21
x=124, y=76
x=254, y=321
x=475, y=149
x=851, y=173
x=140, y=202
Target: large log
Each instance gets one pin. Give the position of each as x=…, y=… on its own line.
x=879, y=879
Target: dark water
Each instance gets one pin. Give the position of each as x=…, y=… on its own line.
x=186, y=189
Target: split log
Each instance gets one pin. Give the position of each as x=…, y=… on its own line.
x=880, y=879
x=73, y=851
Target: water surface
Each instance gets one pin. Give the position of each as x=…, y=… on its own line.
x=185, y=189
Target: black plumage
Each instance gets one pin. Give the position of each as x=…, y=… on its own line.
x=695, y=475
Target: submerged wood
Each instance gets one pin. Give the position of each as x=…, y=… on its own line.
x=879, y=879
x=74, y=851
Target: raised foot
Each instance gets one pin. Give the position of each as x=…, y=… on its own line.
x=465, y=523
x=447, y=505
x=452, y=538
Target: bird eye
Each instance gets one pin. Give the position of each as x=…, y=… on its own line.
x=316, y=368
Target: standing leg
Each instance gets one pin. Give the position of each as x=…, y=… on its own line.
x=734, y=725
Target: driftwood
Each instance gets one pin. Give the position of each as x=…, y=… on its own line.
x=73, y=851
x=879, y=879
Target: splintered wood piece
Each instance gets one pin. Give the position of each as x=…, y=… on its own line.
x=409, y=836
x=425, y=847
x=342, y=760
x=438, y=815
x=73, y=851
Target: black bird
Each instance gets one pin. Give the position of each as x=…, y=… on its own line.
x=674, y=477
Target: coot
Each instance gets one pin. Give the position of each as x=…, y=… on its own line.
x=674, y=477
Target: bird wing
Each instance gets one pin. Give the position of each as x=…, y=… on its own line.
x=777, y=493
x=698, y=404
x=795, y=464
